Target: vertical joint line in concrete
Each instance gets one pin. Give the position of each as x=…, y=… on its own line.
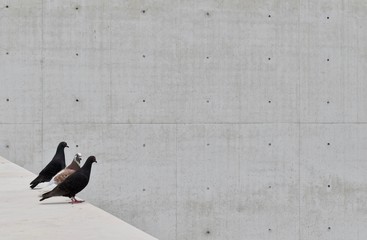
x=110, y=61
x=342, y=60
x=299, y=124
x=179, y=79
x=176, y=178
x=42, y=74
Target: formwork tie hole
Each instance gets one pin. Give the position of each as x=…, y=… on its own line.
x=327, y=17
x=327, y=102
x=207, y=13
x=329, y=228
x=269, y=144
x=7, y=146
x=143, y=11
x=269, y=59
x=207, y=188
x=328, y=59
x=328, y=144
x=7, y=99
x=77, y=54
x=208, y=232
x=328, y=186
x=269, y=101
x=76, y=100
x=77, y=145
x=7, y=6
x=7, y=53
x=144, y=145
x=269, y=16
x=143, y=189
x=143, y=100
x=143, y=56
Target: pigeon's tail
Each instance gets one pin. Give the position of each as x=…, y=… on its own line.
x=35, y=182
x=49, y=187
x=46, y=195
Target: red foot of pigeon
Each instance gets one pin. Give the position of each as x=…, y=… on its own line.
x=73, y=200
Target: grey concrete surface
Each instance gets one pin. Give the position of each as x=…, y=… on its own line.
x=209, y=119
x=24, y=217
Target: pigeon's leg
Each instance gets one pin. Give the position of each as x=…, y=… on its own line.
x=74, y=200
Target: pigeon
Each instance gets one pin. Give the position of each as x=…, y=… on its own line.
x=56, y=165
x=73, y=184
x=66, y=172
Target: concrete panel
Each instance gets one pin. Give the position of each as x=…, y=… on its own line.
x=270, y=51
x=269, y=180
x=333, y=192
x=125, y=178
x=207, y=194
x=329, y=80
x=209, y=76
x=23, y=144
x=76, y=62
x=230, y=58
x=20, y=61
x=21, y=86
x=145, y=63
x=76, y=86
x=20, y=25
x=76, y=25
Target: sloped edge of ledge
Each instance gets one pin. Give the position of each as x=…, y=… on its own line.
x=24, y=217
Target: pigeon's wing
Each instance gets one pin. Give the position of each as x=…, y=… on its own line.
x=47, y=173
x=53, y=193
x=60, y=159
x=61, y=176
x=73, y=184
x=52, y=168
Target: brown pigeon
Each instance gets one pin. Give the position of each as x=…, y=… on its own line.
x=66, y=172
x=56, y=165
x=63, y=174
x=73, y=184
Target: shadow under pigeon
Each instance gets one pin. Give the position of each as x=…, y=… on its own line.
x=55, y=203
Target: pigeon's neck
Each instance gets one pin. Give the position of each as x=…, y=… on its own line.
x=60, y=151
x=74, y=165
x=60, y=157
x=87, y=165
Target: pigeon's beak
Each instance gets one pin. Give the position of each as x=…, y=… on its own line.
x=67, y=146
x=95, y=161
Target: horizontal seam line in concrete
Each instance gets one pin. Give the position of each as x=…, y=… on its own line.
x=195, y=123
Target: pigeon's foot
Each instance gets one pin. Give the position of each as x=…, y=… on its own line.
x=74, y=200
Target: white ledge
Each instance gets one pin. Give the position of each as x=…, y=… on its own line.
x=22, y=216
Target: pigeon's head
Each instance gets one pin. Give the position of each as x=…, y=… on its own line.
x=62, y=145
x=78, y=157
x=92, y=159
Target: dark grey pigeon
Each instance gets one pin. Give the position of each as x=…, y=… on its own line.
x=56, y=165
x=73, y=184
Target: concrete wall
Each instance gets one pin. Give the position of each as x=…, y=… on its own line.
x=209, y=119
